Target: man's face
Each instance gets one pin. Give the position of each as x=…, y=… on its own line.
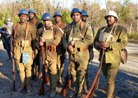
x=84, y=18
x=8, y=23
x=47, y=23
x=23, y=18
x=76, y=17
x=110, y=20
x=31, y=15
x=57, y=19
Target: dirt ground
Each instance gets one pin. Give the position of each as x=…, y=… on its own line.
x=126, y=81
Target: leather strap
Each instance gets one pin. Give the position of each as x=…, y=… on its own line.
x=61, y=25
x=115, y=31
x=35, y=22
x=27, y=29
x=82, y=49
x=15, y=30
x=82, y=23
x=51, y=48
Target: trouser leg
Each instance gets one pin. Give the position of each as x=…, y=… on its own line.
x=110, y=90
x=53, y=77
x=21, y=69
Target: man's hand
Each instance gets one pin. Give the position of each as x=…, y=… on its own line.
x=70, y=47
x=41, y=43
x=104, y=45
x=42, y=39
x=72, y=42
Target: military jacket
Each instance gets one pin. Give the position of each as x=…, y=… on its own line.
x=118, y=42
x=38, y=24
x=83, y=37
x=53, y=38
x=60, y=48
x=20, y=36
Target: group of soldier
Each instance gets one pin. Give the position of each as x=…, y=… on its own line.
x=29, y=37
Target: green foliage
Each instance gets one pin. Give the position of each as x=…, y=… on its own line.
x=38, y=17
x=125, y=14
x=66, y=17
x=133, y=36
x=16, y=18
x=2, y=19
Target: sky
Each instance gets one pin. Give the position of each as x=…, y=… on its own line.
x=100, y=2
x=70, y=2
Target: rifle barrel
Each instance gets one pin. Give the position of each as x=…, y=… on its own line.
x=94, y=85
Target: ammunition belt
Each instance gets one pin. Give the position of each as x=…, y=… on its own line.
x=22, y=43
x=51, y=48
x=82, y=49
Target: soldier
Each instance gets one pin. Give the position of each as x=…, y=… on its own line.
x=38, y=24
x=6, y=34
x=85, y=19
x=23, y=35
x=51, y=37
x=111, y=38
x=60, y=49
x=77, y=37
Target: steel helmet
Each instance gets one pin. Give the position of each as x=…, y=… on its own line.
x=57, y=13
x=84, y=13
x=23, y=11
x=46, y=16
x=31, y=11
x=8, y=19
x=74, y=10
x=111, y=13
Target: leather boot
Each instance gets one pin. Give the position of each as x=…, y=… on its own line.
x=79, y=95
x=52, y=92
x=29, y=89
x=21, y=88
x=110, y=90
x=22, y=78
x=53, y=84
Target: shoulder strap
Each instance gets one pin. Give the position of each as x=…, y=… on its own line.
x=82, y=23
x=42, y=30
x=27, y=29
x=53, y=27
x=61, y=25
x=115, y=31
x=68, y=27
x=35, y=22
x=15, y=31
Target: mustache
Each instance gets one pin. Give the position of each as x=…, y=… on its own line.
x=108, y=21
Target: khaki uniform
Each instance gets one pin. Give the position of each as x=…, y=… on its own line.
x=80, y=54
x=111, y=58
x=53, y=38
x=91, y=52
x=60, y=52
x=36, y=70
x=18, y=49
